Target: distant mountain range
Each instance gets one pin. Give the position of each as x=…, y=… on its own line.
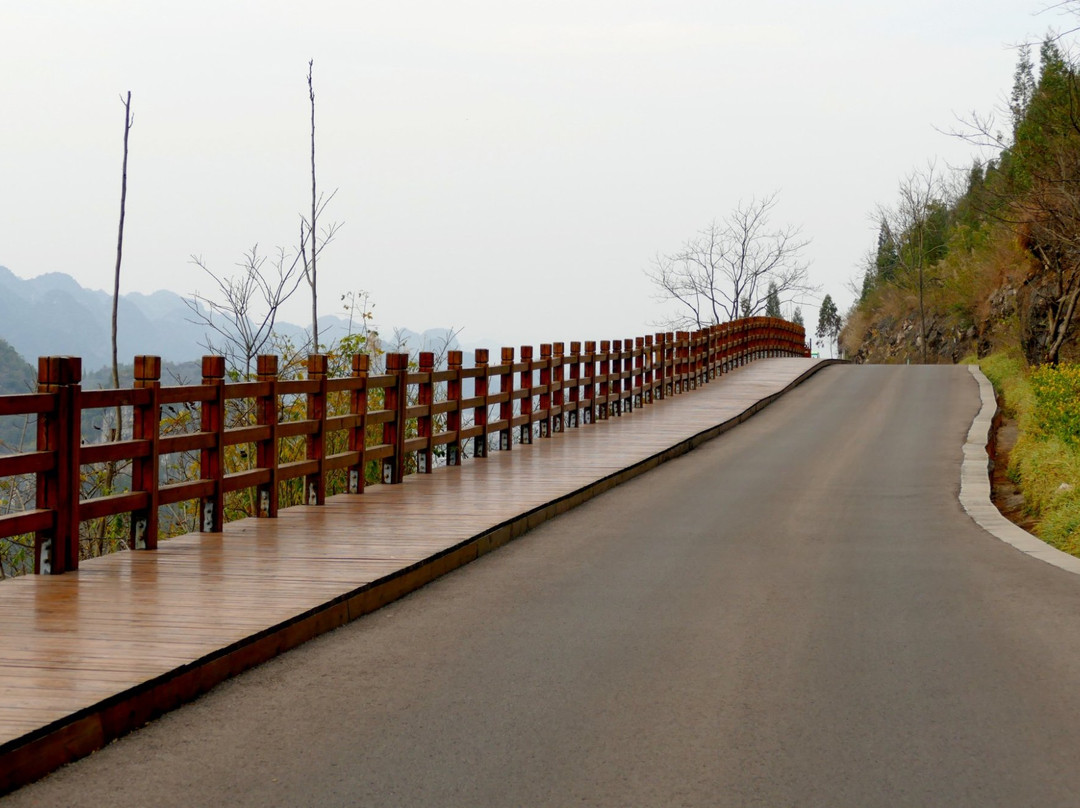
x=53, y=315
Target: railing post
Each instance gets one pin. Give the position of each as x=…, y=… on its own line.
x=588, y=374
x=714, y=352
x=212, y=459
x=615, y=384
x=525, y=434
x=480, y=413
x=506, y=407
x=545, y=382
x=146, y=425
x=58, y=432
x=604, y=373
x=266, y=450
x=453, y=417
x=640, y=374
x=682, y=359
x=358, y=406
x=397, y=365
x=558, y=395
x=629, y=369
x=425, y=397
x=648, y=376
x=315, y=483
x=669, y=346
x=574, y=416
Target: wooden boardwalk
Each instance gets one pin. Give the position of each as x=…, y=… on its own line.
x=89, y=655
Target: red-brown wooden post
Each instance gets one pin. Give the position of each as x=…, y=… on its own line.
x=648, y=376
x=146, y=426
x=630, y=350
x=480, y=413
x=604, y=377
x=525, y=383
x=266, y=450
x=701, y=348
x=397, y=365
x=640, y=377
x=669, y=363
x=680, y=360
x=588, y=382
x=506, y=408
x=315, y=484
x=212, y=459
x=616, y=383
x=558, y=395
x=453, y=417
x=425, y=397
x=58, y=432
x=358, y=406
x=714, y=352
x=546, y=377
x=574, y=415
x=660, y=366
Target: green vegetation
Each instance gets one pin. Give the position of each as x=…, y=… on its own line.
x=987, y=259
x=1045, y=462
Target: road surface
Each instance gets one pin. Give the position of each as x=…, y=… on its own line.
x=797, y=613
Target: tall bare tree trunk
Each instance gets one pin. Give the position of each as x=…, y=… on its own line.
x=313, y=225
x=120, y=250
x=117, y=431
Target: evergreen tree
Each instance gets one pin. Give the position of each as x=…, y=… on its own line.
x=772, y=301
x=1023, y=86
x=796, y=317
x=829, y=320
x=887, y=259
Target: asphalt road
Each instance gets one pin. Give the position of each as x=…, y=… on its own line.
x=797, y=613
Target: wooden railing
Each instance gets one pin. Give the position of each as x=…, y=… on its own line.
x=422, y=413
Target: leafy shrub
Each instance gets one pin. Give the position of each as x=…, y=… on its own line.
x=1056, y=392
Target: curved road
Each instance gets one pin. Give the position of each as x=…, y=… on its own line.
x=797, y=613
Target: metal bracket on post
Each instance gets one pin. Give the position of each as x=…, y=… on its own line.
x=387, y=472
x=46, y=556
x=208, y=517
x=452, y=457
x=264, y=502
x=354, y=481
x=140, y=534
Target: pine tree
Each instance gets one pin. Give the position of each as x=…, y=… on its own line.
x=772, y=301
x=829, y=320
x=1023, y=86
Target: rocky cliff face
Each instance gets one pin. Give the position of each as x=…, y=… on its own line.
x=1012, y=314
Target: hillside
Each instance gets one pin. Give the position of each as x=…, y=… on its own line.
x=964, y=268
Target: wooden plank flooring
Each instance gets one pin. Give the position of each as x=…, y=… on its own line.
x=87, y=656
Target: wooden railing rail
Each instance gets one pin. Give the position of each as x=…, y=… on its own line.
x=397, y=422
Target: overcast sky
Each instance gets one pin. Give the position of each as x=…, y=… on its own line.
x=505, y=167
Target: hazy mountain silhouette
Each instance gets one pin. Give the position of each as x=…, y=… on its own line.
x=53, y=315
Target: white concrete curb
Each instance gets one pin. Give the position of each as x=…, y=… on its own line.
x=975, y=487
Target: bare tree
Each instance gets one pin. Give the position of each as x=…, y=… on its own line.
x=727, y=269
x=240, y=319
x=120, y=251
x=312, y=241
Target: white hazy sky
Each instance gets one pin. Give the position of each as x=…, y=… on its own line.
x=506, y=167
